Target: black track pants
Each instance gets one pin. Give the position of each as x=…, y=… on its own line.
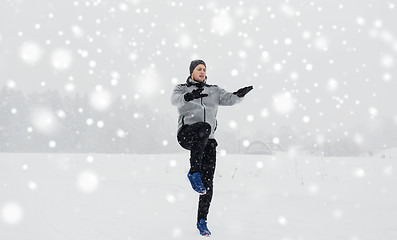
x=194, y=137
x=202, y=159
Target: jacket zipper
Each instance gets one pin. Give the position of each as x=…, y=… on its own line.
x=203, y=107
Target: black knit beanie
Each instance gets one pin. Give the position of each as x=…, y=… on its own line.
x=194, y=64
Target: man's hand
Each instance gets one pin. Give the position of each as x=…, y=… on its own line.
x=195, y=94
x=243, y=91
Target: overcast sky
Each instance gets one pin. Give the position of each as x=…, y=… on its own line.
x=321, y=66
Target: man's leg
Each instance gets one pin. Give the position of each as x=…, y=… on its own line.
x=194, y=138
x=208, y=170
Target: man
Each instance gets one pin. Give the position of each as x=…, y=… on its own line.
x=197, y=104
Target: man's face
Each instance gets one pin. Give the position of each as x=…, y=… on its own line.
x=199, y=73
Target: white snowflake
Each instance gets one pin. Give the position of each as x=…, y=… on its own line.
x=283, y=103
x=61, y=59
x=101, y=99
x=11, y=213
x=88, y=182
x=31, y=52
x=222, y=23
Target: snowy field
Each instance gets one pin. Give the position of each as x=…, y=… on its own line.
x=115, y=197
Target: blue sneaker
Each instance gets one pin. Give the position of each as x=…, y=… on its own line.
x=202, y=227
x=197, y=184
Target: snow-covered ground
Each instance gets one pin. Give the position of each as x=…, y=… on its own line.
x=115, y=197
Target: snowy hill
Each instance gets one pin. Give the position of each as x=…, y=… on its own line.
x=83, y=196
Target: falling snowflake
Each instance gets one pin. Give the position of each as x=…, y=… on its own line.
x=31, y=52
x=283, y=103
x=61, y=59
x=87, y=182
x=11, y=213
x=222, y=23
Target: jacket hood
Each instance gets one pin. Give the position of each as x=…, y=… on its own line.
x=190, y=82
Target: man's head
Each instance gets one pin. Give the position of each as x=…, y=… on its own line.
x=198, y=70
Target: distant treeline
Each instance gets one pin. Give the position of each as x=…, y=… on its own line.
x=49, y=122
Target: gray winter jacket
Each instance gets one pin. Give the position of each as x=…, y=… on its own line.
x=203, y=109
